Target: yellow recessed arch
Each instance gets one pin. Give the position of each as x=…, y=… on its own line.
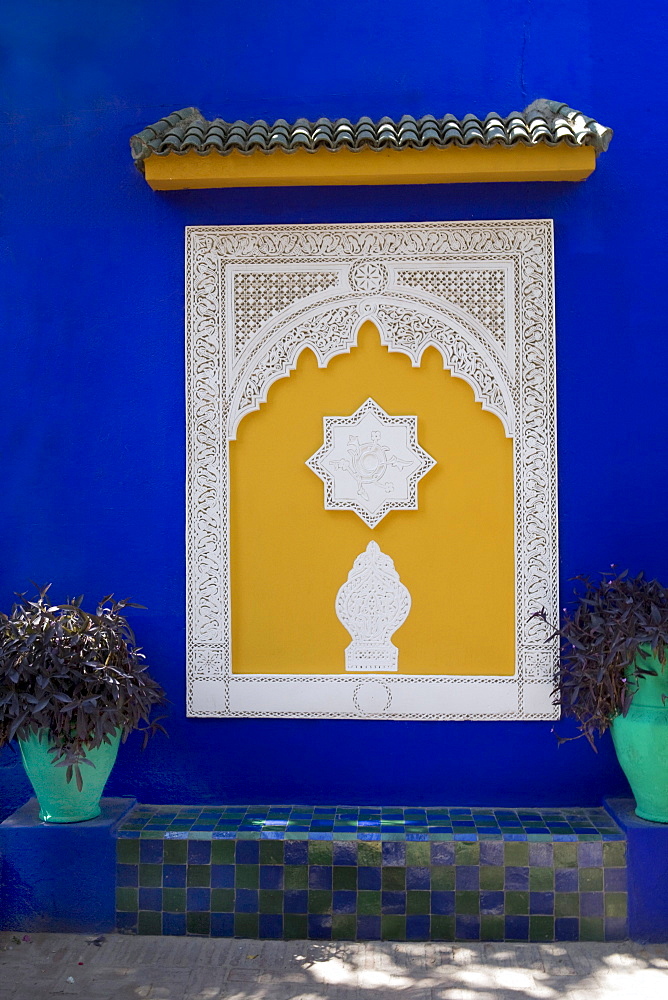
x=455, y=554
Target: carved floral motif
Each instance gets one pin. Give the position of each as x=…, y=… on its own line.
x=370, y=463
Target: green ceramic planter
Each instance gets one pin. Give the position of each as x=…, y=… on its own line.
x=60, y=802
x=641, y=742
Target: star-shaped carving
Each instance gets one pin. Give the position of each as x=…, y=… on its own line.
x=370, y=462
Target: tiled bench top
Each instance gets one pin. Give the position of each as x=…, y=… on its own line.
x=367, y=823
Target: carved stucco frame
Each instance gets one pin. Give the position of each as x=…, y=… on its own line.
x=230, y=370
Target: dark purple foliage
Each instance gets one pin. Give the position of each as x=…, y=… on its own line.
x=78, y=675
x=612, y=628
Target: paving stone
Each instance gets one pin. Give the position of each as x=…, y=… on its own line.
x=465, y=955
x=556, y=960
x=410, y=955
x=275, y=955
x=655, y=955
x=245, y=953
x=206, y=993
x=580, y=956
x=510, y=979
x=103, y=989
x=335, y=972
x=591, y=993
x=419, y=993
x=209, y=983
x=243, y=975
x=384, y=957
x=293, y=976
x=439, y=954
x=500, y=954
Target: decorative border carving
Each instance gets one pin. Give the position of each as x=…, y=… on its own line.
x=230, y=371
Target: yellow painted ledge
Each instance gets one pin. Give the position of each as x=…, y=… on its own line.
x=453, y=165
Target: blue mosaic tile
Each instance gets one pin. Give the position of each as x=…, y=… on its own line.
x=394, y=853
x=541, y=854
x=517, y=879
x=467, y=877
x=616, y=928
x=393, y=902
x=127, y=875
x=222, y=876
x=590, y=854
x=467, y=927
x=151, y=851
x=174, y=876
x=517, y=928
x=247, y=852
x=443, y=854
x=443, y=902
x=368, y=878
x=246, y=901
x=345, y=853
x=566, y=929
x=295, y=901
x=174, y=923
x=368, y=928
x=418, y=878
x=566, y=879
x=344, y=901
x=150, y=899
x=320, y=877
x=492, y=902
x=199, y=852
x=319, y=926
x=418, y=928
x=127, y=922
x=296, y=853
x=491, y=853
x=271, y=876
x=591, y=904
x=615, y=879
x=198, y=900
x=541, y=903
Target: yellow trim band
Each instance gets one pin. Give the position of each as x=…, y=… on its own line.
x=453, y=165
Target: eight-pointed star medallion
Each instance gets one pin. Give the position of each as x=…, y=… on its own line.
x=370, y=462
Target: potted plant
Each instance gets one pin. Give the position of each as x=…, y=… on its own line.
x=613, y=674
x=72, y=684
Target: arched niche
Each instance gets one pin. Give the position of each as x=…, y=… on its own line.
x=478, y=294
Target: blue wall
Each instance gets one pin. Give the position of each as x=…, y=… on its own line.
x=92, y=388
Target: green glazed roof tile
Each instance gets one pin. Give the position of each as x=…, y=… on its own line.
x=543, y=121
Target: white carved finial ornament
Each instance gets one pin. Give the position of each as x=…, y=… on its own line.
x=370, y=462
x=372, y=604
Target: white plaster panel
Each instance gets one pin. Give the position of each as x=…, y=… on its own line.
x=481, y=293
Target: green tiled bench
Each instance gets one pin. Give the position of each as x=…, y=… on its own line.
x=368, y=874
